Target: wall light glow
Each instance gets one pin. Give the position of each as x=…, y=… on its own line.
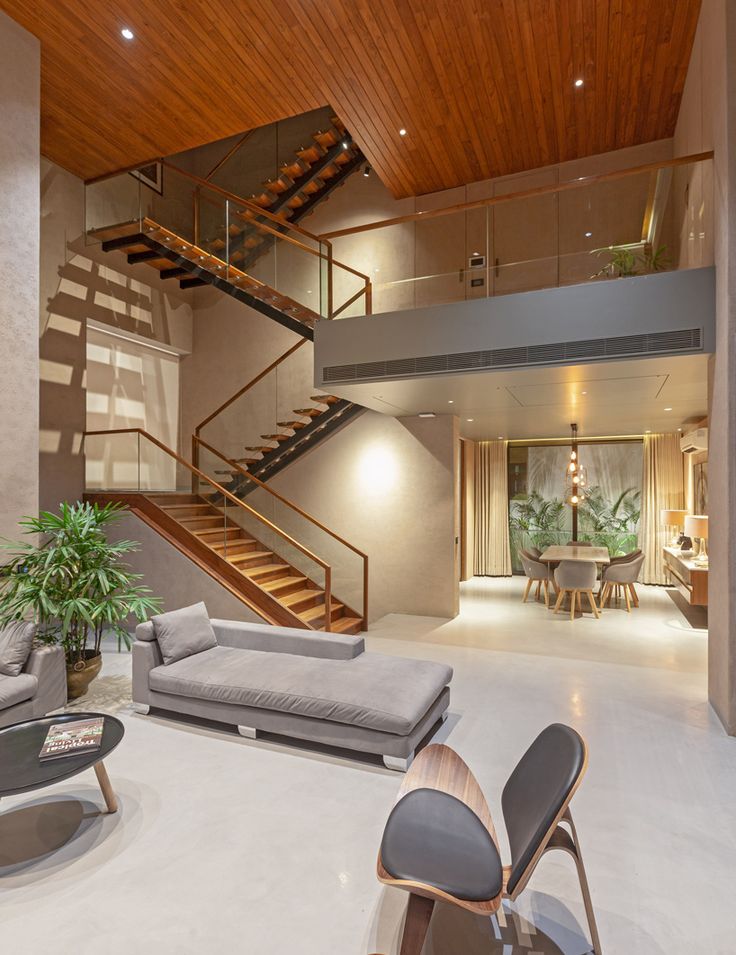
x=377, y=470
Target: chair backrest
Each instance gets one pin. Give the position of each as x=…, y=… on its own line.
x=576, y=574
x=537, y=791
x=532, y=567
x=625, y=571
x=534, y=551
x=579, y=544
x=625, y=558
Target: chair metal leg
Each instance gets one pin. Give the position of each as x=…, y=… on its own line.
x=527, y=589
x=418, y=915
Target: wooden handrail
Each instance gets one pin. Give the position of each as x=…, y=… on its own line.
x=196, y=441
x=218, y=487
x=523, y=194
x=254, y=381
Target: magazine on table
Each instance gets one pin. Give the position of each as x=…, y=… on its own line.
x=71, y=739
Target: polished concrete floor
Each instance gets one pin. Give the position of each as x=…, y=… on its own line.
x=225, y=845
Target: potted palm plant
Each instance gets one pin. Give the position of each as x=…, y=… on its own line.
x=71, y=580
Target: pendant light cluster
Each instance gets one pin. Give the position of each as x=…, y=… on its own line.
x=576, y=476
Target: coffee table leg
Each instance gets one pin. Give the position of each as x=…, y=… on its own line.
x=111, y=800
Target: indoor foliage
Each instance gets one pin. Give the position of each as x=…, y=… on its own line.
x=611, y=524
x=72, y=582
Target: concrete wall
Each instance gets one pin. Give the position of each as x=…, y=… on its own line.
x=81, y=284
x=708, y=121
x=19, y=253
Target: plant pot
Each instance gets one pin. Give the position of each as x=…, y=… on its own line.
x=79, y=675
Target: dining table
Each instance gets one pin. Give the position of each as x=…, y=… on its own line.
x=557, y=552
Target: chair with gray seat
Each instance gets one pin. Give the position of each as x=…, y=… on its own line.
x=440, y=844
x=624, y=575
x=576, y=577
x=536, y=573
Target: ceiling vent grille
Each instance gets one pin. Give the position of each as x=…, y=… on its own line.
x=593, y=349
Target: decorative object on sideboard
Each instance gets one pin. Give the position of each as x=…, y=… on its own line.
x=73, y=583
x=674, y=519
x=696, y=525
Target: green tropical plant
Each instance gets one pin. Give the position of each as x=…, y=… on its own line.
x=541, y=520
x=624, y=261
x=611, y=524
x=71, y=580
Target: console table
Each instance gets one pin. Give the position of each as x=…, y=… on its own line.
x=686, y=576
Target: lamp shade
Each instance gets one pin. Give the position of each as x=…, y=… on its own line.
x=672, y=518
x=696, y=525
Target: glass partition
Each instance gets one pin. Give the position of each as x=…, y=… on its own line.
x=610, y=228
x=539, y=515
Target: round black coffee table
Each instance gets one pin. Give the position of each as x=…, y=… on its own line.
x=21, y=770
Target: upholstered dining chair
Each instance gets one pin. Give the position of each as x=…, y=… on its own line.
x=623, y=574
x=576, y=577
x=440, y=844
x=536, y=573
x=579, y=544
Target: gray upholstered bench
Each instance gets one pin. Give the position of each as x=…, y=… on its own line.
x=312, y=686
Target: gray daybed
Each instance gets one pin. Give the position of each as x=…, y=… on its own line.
x=312, y=686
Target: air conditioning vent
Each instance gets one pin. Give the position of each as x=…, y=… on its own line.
x=592, y=349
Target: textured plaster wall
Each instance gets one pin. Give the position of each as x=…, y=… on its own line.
x=19, y=252
x=707, y=121
x=80, y=284
x=389, y=486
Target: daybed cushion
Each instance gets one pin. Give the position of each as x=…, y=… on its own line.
x=388, y=694
x=17, y=689
x=16, y=642
x=182, y=633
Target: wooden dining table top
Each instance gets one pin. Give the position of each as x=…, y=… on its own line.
x=574, y=552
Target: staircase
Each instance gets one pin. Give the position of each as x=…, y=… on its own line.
x=288, y=442
x=301, y=184
x=259, y=577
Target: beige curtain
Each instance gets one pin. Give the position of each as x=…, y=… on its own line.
x=662, y=487
x=492, y=553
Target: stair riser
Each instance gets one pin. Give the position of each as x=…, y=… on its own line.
x=182, y=514
x=248, y=563
x=285, y=589
x=237, y=548
x=214, y=537
x=319, y=622
x=271, y=575
x=200, y=523
x=306, y=602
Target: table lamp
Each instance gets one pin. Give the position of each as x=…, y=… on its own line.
x=676, y=520
x=696, y=525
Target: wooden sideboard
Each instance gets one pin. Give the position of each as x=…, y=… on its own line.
x=686, y=576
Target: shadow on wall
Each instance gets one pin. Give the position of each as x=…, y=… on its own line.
x=85, y=289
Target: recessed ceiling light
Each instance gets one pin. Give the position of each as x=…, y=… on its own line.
x=427, y=414
x=402, y=132
x=648, y=431
x=367, y=171
x=451, y=401
x=578, y=83
x=345, y=144
x=500, y=437
x=583, y=392
x=679, y=429
x=588, y=235
x=668, y=409
x=127, y=33
x=470, y=419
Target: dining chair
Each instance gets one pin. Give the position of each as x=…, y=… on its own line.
x=536, y=572
x=579, y=544
x=440, y=844
x=576, y=577
x=623, y=574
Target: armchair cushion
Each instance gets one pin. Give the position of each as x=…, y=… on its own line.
x=183, y=633
x=17, y=689
x=16, y=642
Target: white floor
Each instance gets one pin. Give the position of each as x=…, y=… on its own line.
x=225, y=845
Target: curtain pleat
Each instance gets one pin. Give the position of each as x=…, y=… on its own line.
x=492, y=552
x=662, y=487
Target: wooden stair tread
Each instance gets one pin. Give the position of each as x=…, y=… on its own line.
x=325, y=399
x=280, y=582
x=266, y=568
x=345, y=625
x=306, y=594
x=294, y=425
x=276, y=437
x=314, y=613
x=308, y=412
x=262, y=449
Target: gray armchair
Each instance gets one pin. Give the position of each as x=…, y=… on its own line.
x=576, y=577
x=536, y=572
x=622, y=575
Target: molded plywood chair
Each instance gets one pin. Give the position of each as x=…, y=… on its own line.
x=622, y=574
x=536, y=573
x=440, y=844
x=576, y=577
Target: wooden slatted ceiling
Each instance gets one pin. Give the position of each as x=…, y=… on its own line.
x=484, y=87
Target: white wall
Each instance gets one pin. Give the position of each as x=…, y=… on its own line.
x=19, y=252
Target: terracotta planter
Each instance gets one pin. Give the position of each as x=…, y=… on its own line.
x=80, y=675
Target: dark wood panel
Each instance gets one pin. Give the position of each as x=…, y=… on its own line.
x=483, y=87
